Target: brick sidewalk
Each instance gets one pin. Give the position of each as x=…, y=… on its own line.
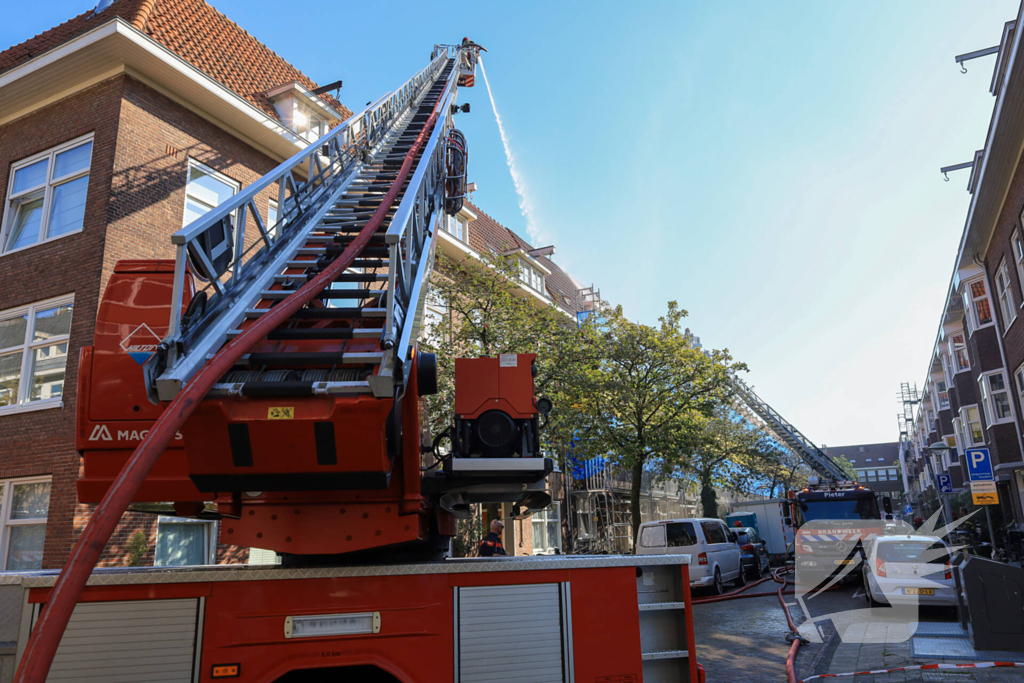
x=849, y=657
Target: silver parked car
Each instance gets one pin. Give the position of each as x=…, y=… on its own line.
x=909, y=569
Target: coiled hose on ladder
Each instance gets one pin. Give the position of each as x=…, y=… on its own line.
x=46, y=636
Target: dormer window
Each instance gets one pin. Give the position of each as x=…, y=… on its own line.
x=457, y=227
x=531, y=277
x=306, y=114
x=308, y=124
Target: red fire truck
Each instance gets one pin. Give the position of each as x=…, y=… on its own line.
x=269, y=377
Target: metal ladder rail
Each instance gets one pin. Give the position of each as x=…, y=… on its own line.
x=303, y=204
x=347, y=369
x=815, y=458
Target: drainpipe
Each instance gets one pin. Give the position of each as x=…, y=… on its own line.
x=1002, y=356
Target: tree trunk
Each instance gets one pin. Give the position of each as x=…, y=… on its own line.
x=634, y=499
x=708, y=497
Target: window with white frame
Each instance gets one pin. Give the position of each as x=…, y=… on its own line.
x=547, y=530
x=970, y=418
x=531, y=277
x=943, y=395
x=945, y=369
x=205, y=190
x=184, y=542
x=1004, y=294
x=977, y=305
x=1018, y=258
x=995, y=396
x=435, y=327
x=958, y=432
x=457, y=227
x=24, y=504
x=958, y=352
x=310, y=125
x=272, y=216
x=46, y=195
x=1018, y=378
x=34, y=354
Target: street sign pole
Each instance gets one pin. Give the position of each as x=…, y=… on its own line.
x=979, y=469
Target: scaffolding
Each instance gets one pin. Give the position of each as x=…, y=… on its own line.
x=600, y=500
x=909, y=398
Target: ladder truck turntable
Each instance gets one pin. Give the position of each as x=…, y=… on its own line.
x=279, y=392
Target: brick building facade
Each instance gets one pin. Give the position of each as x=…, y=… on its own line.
x=973, y=394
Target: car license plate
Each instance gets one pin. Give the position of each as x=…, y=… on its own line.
x=919, y=591
x=844, y=561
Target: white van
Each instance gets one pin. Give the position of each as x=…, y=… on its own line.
x=715, y=555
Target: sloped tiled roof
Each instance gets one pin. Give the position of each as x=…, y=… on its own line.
x=194, y=31
x=488, y=235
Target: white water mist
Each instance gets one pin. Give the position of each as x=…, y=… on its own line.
x=525, y=207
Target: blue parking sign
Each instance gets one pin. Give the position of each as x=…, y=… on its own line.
x=979, y=464
x=945, y=483
x=908, y=509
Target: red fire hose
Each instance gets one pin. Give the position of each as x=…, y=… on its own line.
x=46, y=636
x=778, y=576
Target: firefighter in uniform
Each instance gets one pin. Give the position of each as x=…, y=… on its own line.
x=491, y=545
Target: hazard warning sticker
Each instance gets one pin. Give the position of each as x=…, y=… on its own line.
x=141, y=344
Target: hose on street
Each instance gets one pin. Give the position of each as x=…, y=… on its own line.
x=779, y=577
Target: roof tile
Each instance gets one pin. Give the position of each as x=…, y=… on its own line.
x=194, y=31
x=488, y=235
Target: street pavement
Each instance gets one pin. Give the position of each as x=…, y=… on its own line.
x=743, y=641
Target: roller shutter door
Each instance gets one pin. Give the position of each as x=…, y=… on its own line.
x=510, y=633
x=127, y=642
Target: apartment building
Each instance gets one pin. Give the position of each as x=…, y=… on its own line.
x=973, y=391
x=877, y=465
x=118, y=127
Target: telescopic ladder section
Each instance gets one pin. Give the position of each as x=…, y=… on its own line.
x=356, y=335
x=815, y=458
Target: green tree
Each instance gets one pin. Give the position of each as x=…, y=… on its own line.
x=846, y=466
x=645, y=403
x=489, y=313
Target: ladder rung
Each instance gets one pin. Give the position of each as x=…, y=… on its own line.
x=320, y=333
x=329, y=358
x=337, y=313
x=344, y=277
x=326, y=294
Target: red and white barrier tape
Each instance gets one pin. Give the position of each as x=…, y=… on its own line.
x=919, y=667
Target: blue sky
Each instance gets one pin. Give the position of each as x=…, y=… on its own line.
x=771, y=166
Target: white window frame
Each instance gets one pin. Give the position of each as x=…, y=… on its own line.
x=310, y=116
x=966, y=426
x=457, y=227
x=22, y=402
x=531, y=277
x=987, y=398
x=1018, y=380
x=954, y=358
x=209, y=538
x=946, y=364
x=192, y=163
x=1017, y=245
x=971, y=310
x=556, y=509
x=48, y=185
x=942, y=395
x=1004, y=294
x=6, y=496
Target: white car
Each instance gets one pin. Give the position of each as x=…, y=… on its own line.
x=715, y=555
x=909, y=569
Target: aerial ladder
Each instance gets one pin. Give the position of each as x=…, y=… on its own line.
x=788, y=434
x=269, y=378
